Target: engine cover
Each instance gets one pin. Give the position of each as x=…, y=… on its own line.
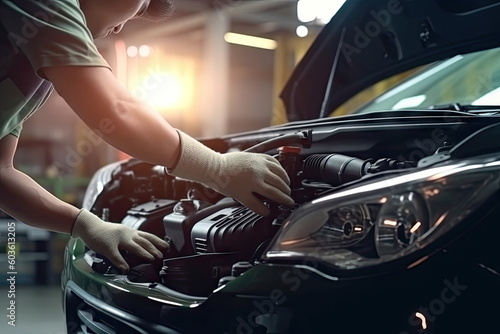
x=205, y=244
x=221, y=228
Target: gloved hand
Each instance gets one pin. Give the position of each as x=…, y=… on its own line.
x=110, y=239
x=239, y=175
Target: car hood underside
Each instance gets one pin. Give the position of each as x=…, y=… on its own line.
x=367, y=41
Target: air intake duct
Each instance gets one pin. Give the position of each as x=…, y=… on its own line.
x=334, y=169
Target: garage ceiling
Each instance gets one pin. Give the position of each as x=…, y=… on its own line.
x=264, y=18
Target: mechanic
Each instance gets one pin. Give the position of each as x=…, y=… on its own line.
x=48, y=44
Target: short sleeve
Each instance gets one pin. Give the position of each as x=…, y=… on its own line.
x=50, y=33
x=17, y=130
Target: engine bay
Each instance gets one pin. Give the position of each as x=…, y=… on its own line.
x=214, y=239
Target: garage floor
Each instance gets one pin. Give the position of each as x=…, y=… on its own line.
x=38, y=310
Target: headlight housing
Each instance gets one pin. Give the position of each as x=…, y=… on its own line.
x=100, y=178
x=386, y=219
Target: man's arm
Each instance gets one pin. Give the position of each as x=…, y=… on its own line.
x=22, y=198
x=96, y=96
x=131, y=126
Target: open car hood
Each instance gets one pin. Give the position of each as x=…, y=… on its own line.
x=367, y=41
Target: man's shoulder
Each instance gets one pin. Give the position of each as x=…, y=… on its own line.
x=49, y=33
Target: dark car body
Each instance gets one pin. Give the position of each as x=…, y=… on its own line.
x=395, y=225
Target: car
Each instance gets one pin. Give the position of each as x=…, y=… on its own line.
x=396, y=222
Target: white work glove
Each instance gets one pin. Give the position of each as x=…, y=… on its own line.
x=109, y=239
x=239, y=175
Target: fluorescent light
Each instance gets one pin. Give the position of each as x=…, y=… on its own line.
x=252, y=41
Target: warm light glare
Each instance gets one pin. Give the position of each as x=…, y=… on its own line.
x=419, y=261
x=121, y=61
x=390, y=222
x=252, y=41
x=144, y=51
x=415, y=227
x=160, y=90
x=164, y=82
x=431, y=192
x=132, y=51
x=302, y=31
x=440, y=219
x=293, y=241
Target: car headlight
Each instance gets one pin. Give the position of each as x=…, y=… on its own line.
x=100, y=178
x=386, y=219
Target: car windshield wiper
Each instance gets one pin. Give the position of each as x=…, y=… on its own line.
x=469, y=108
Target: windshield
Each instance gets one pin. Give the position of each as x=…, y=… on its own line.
x=471, y=79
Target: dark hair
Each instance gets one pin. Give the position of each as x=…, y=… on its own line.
x=159, y=10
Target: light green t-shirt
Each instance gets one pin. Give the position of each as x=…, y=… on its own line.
x=36, y=34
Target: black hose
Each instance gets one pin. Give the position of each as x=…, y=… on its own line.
x=334, y=169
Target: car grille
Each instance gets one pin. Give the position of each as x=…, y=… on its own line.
x=86, y=314
x=93, y=322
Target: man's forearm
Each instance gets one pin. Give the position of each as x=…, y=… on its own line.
x=25, y=200
x=128, y=124
x=141, y=132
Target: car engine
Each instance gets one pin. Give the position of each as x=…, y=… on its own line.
x=213, y=239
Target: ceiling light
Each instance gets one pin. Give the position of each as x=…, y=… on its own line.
x=144, y=50
x=132, y=51
x=302, y=31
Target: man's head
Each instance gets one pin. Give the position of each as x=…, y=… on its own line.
x=108, y=16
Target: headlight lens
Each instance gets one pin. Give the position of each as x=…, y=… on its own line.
x=403, y=219
x=386, y=219
x=344, y=226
